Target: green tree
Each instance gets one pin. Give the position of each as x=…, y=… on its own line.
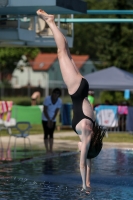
x=85, y=34
x=111, y=44
x=115, y=40
x=108, y=43
x=10, y=56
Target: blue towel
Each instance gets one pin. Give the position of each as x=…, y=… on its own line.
x=107, y=115
x=129, y=121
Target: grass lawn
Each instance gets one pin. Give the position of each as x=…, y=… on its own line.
x=119, y=137
x=36, y=129
x=112, y=136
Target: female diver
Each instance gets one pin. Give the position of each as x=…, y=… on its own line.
x=83, y=118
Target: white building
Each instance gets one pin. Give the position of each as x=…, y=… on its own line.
x=21, y=78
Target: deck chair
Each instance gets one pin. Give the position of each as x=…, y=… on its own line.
x=23, y=129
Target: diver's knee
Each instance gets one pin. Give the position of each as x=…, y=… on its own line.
x=86, y=127
x=61, y=52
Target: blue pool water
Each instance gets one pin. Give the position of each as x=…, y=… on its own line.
x=58, y=177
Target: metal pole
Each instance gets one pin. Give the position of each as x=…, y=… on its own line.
x=72, y=16
x=58, y=21
x=46, y=84
x=110, y=12
x=29, y=81
x=94, y=20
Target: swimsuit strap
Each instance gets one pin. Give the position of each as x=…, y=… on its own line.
x=91, y=120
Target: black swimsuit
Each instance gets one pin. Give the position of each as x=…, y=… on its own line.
x=77, y=99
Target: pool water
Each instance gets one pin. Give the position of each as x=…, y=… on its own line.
x=58, y=177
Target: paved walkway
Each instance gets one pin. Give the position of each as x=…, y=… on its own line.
x=61, y=143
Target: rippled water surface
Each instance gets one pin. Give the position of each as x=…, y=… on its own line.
x=58, y=178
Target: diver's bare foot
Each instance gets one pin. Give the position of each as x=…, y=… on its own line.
x=42, y=14
x=87, y=190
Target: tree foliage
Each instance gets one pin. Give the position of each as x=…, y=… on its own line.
x=115, y=98
x=10, y=56
x=110, y=44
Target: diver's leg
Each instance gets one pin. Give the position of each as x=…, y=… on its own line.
x=71, y=75
x=86, y=138
x=88, y=161
x=88, y=167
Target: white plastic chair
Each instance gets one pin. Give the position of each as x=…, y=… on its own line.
x=23, y=129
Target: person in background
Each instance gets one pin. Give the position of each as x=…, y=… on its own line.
x=35, y=98
x=91, y=98
x=51, y=106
